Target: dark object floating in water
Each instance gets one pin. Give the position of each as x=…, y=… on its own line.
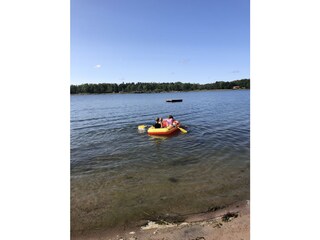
x=174, y=100
x=172, y=179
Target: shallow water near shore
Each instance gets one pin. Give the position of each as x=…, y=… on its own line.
x=120, y=176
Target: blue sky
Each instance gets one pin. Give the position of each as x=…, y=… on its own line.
x=197, y=41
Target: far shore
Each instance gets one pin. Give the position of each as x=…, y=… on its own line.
x=204, y=90
x=226, y=223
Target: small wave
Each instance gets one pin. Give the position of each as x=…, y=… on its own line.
x=87, y=119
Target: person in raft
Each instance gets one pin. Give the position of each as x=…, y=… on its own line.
x=169, y=122
x=158, y=123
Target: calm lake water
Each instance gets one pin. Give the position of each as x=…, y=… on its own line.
x=120, y=176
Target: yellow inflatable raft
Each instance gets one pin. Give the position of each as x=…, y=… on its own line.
x=162, y=131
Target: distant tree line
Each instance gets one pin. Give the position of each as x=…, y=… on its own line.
x=154, y=87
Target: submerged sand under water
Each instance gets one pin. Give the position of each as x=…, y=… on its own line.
x=123, y=198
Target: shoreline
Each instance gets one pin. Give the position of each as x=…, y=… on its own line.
x=230, y=222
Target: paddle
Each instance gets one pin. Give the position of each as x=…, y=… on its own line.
x=182, y=130
x=142, y=126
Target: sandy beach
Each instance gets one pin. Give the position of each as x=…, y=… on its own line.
x=231, y=222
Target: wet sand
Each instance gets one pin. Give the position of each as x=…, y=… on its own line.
x=231, y=222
